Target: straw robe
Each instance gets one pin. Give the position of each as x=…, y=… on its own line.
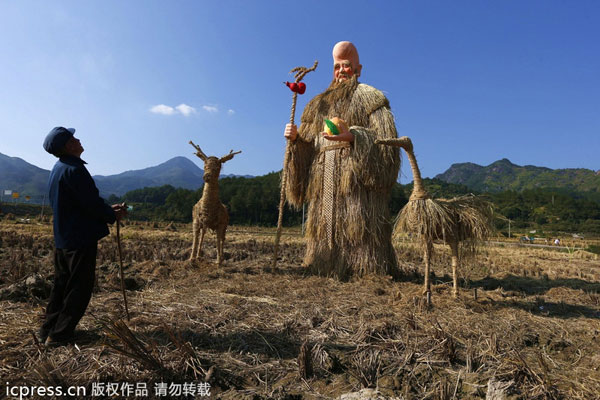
x=348, y=185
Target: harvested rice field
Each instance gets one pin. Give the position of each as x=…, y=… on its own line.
x=526, y=324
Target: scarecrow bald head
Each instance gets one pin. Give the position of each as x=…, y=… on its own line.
x=345, y=61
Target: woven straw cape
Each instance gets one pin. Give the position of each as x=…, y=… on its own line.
x=348, y=230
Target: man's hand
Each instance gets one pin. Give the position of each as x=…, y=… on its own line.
x=120, y=210
x=344, y=135
x=291, y=132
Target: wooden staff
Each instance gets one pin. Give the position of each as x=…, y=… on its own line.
x=300, y=73
x=121, y=269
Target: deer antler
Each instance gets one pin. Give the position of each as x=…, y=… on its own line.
x=199, y=151
x=229, y=156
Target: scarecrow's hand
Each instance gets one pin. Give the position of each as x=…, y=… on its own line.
x=343, y=136
x=291, y=132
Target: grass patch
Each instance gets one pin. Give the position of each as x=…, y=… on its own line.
x=593, y=248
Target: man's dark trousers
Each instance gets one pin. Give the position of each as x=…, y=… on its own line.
x=74, y=274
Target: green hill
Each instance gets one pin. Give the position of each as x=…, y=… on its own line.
x=503, y=175
x=20, y=176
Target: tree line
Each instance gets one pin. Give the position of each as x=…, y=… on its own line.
x=250, y=201
x=255, y=201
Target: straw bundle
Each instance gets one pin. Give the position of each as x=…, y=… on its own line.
x=460, y=219
x=472, y=221
x=348, y=185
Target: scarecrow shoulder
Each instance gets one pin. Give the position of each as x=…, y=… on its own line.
x=370, y=98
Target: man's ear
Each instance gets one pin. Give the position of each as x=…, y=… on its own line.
x=358, y=69
x=60, y=153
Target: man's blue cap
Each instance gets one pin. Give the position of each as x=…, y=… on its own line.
x=57, y=138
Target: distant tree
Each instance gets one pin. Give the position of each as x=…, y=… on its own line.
x=398, y=199
x=155, y=195
x=113, y=199
x=180, y=203
x=590, y=226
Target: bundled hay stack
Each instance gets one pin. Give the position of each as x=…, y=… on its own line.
x=472, y=221
x=348, y=187
x=464, y=219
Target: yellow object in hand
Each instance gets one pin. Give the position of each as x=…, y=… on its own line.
x=334, y=126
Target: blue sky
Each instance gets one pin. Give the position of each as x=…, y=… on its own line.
x=468, y=81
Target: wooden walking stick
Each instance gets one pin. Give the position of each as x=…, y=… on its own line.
x=121, y=269
x=296, y=87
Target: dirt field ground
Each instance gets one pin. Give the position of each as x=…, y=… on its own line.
x=526, y=324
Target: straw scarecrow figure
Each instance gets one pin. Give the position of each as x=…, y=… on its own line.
x=346, y=178
x=209, y=212
x=460, y=220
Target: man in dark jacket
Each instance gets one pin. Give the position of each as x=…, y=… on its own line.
x=80, y=220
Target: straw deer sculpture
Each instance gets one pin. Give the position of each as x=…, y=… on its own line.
x=463, y=219
x=209, y=212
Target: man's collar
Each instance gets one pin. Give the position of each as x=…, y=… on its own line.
x=68, y=157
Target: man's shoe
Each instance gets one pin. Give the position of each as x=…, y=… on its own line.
x=42, y=335
x=51, y=342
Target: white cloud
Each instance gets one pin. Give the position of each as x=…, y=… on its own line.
x=230, y=112
x=185, y=109
x=182, y=109
x=162, y=109
x=211, y=109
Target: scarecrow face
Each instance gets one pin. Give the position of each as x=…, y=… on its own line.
x=212, y=169
x=345, y=61
x=342, y=69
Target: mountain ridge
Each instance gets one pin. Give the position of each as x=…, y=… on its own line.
x=504, y=175
x=177, y=171
x=18, y=175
